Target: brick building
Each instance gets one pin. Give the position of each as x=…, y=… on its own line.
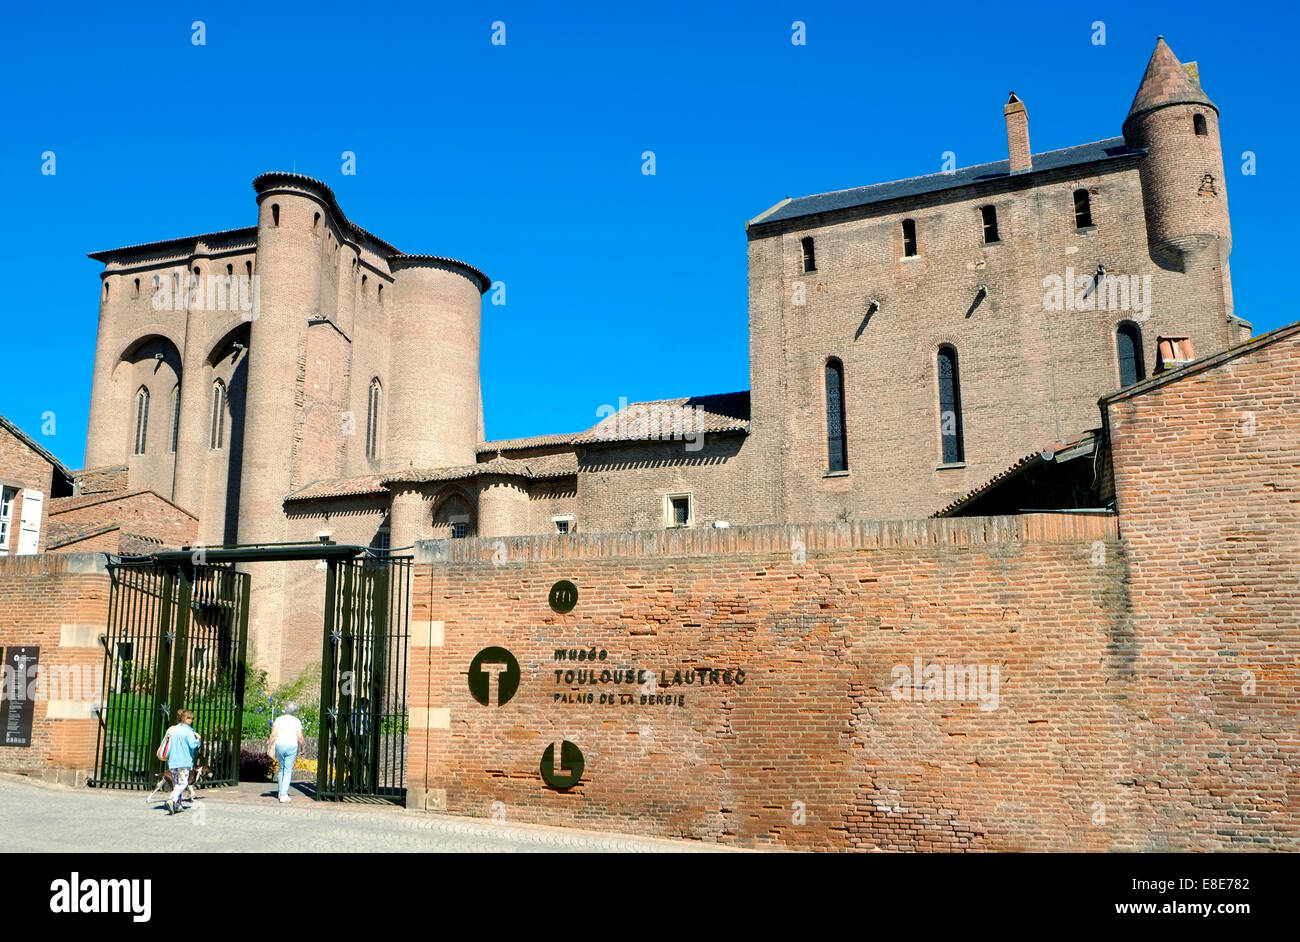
x=29, y=478
x=303, y=378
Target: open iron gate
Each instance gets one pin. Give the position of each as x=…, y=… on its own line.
x=176, y=638
x=363, y=719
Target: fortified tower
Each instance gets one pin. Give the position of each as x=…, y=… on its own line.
x=1184, y=188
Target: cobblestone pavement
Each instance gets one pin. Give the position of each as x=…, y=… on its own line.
x=39, y=817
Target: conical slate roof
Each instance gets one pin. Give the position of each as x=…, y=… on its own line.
x=1167, y=82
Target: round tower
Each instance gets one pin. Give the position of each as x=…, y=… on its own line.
x=433, y=411
x=1183, y=183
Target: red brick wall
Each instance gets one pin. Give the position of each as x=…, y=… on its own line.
x=1207, y=479
x=43, y=600
x=812, y=750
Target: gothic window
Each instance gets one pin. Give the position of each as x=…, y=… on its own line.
x=837, y=452
x=176, y=416
x=1198, y=125
x=141, y=419
x=372, y=418
x=809, y=259
x=989, y=216
x=909, y=238
x=217, y=428
x=1082, y=209
x=1128, y=344
x=950, y=431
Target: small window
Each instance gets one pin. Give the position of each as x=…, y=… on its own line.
x=950, y=431
x=156, y=283
x=909, y=238
x=217, y=428
x=381, y=292
x=315, y=222
x=248, y=269
x=459, y=529
x=562, y=525
x=1198, y=125
x=809, y=259
x=230, y=271
x=837, y=449
x=989, y=215
x=1082, y=209
x=137, y=288
x=679, y=510
x=1128, y=346
x=275, y=214
x=381, y=544
x=363, y=283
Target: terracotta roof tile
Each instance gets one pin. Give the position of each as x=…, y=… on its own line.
x=1166, y=82
x=666, y=418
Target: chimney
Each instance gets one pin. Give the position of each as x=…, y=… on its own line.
x=1017, y=134
x=1173, y=352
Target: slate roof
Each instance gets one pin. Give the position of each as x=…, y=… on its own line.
x=651, y=421
x=1110, y=149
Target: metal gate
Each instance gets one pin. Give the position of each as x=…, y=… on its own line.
x=176, y=638
x=363, y=720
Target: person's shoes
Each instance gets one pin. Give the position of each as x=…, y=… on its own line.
x=284, y=799
x=171, y=807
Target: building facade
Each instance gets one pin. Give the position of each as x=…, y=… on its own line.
x=302, y=378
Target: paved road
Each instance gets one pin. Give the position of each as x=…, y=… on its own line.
x=42, y=817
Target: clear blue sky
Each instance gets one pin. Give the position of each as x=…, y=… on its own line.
x=525, y=160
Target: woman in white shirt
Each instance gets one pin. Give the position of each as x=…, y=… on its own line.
x=286, y=740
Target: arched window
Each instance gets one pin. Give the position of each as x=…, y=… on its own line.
x=809, y=259
x=989, y=216
x=1128, y=346
x=1198, y=125
x=950, y=433
x=141, y=419
x=176, y=415
x=275, y=214
x=1082, y=209
x=217, y=429
x=137, y=289
x=837, y=449
x=909, y=238
x=372, y=419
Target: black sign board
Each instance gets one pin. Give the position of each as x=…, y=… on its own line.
x=16, y=709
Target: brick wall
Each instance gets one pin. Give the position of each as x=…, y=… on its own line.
x=59, y=603
x=814, y=729
x=1207, y=482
